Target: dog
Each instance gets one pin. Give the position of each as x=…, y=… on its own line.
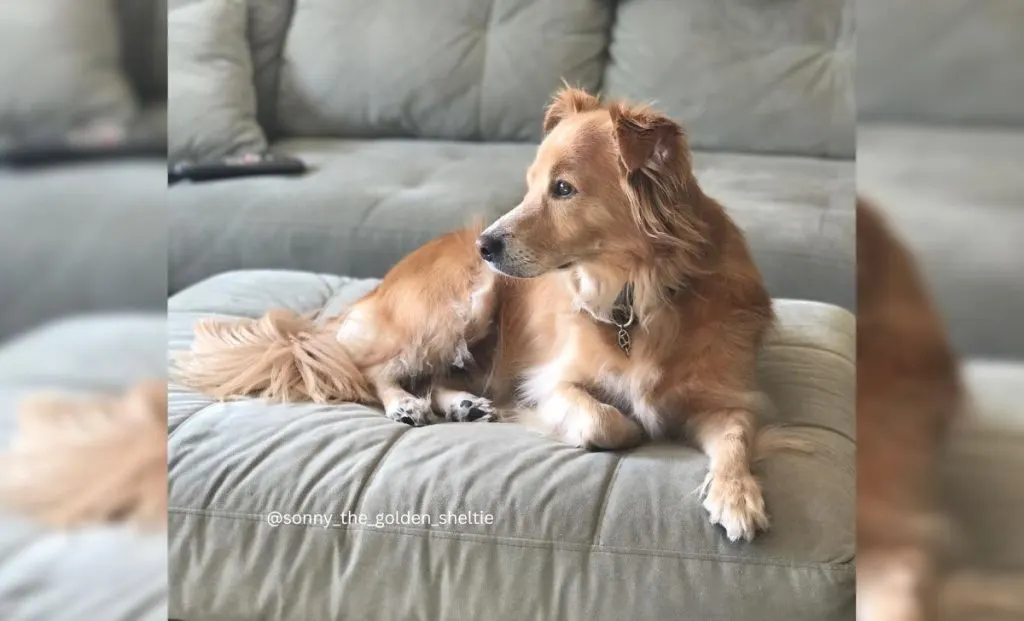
x=616, y=303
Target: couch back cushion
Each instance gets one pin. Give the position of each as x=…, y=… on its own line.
x=144, y=46
x=60, y=68
x=461, y=69
x=770, y=76
x=941, y=61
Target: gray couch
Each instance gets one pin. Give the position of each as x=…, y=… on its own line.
x=414, y=120
x=940, y=146
x=88, y=237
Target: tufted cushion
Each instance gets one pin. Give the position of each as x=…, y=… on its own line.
x=466, y=69
x=742, y=75
x=985, y=461
x=111, y=573
x=368, y=203
x=941, y=61
x=954, y=195
x=574, y=535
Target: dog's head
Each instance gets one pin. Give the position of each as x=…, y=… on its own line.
x=609, y=183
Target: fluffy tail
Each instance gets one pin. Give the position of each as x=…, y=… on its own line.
x=280, y=357
x=87, y=460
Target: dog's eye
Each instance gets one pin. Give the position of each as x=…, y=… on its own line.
x=562, y=189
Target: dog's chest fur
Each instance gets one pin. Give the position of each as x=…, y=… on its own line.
x=586, y=354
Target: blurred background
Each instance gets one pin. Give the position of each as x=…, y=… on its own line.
x=92, y=240
x=940, y=149
x=83, y=270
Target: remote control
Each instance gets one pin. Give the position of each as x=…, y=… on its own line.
x=246, y=165
x=99, y=141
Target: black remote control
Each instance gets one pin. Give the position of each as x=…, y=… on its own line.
x=246, y=165
x=98, y=141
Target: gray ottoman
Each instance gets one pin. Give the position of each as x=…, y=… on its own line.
x=98, y=573
x=306, y=511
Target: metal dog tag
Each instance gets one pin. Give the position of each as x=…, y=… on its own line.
x=624, y=341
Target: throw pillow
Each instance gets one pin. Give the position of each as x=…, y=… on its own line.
x=211, y=96
x=60, y=68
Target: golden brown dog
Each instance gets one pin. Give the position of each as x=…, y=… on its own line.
x=616, y=302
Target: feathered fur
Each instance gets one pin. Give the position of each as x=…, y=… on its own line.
x=97, y=459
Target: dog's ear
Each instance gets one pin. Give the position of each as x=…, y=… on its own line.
x=568, y=101
x=646, y=138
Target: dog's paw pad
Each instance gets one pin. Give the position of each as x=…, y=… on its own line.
x=411, y=411
x=735, y=503
x=475, y=410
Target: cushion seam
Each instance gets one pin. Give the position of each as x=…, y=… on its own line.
x=523, y=542
x=833, y=352
x=595, y=537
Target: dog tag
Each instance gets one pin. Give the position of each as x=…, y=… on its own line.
x=624, y=341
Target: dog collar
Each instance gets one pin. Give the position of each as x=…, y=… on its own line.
x=624, y=316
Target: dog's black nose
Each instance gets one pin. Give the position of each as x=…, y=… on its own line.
x=491, y=246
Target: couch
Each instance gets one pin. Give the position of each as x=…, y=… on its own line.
x=415, y=119
x=89, y=237
x=940, y=143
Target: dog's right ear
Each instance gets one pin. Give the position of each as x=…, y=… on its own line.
x=568, y=101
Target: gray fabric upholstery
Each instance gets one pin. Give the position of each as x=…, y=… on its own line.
x=742, y=76
x=573, y=533
x=941, y=61
x=955, y=197
x=366, y=204
x=144, y=46
x=212, y=104
x=83, y=238
x=98, y=573
x=984, y=466
x=60, y=68
x=462, y=70
x=268, y=26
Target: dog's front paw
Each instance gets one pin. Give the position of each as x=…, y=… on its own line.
x=606, y=429
x=413, y=411
x=735, y=502
x=472, y=410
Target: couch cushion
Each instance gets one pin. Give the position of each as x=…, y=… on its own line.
x=572, y=533
x=366, y=204
x=743, y=76
x=82, y=238
x=144, y=46
x=211, y=97
x=103, y=572
x=459, y=70
x=60, y=68
x=941, y=61
x=984, y=464
x=955, y=195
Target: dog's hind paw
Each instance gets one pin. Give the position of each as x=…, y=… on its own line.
x=412, y=411
x=471, y=410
